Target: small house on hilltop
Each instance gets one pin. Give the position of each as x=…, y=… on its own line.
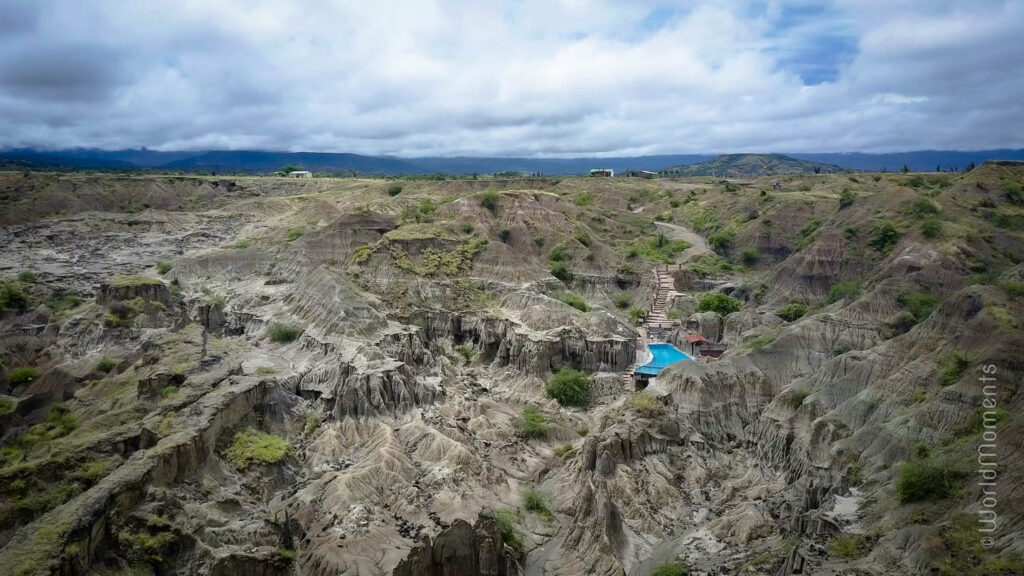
x=603, y=172
x=300, y=174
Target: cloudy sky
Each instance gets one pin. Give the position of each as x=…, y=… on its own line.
x=518, y=77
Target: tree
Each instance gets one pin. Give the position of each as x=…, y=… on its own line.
x=290, y=168
x=905, y=169
x=569, y=387
x=718, y=303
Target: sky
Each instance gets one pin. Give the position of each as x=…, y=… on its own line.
x=541, y=78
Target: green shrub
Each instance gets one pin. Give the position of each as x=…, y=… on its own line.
x=106, y=364
x=797, y=397
x=242, y=244
x=539, y=241
x=505, y=235
x=466, y=352
x=926, y=480
x=846, y=198
x=636, y=313
x=645, y=405
x=954, y=367
x=844, y=289
x=467, y=228
x=7, y=405
x=12, y=297
x=27, y=276
x=720, y=240
x=846, y=546
x=923, y=207
x=622, y=301
x=168, y=391
x=573, y=300
x=718, y=303
x=673, y=569
x=569, y=387
x=534, y=424
x=489, y=200
x=394, y=190
x=508, y=526
x=884, y=237
x=583, y=238
x=163, y=267
x=252, y=447
x=1012, y=190
x=562, y=450
x=750, y=256
x=919, y=304
x=561, y=271
x=559, y=253
x=931, y=229
x=1013, y=288
x=283, y=333
x=22, y=375
x=792, y=311
x=294, y=234
x=534, y=502
x=583, y=199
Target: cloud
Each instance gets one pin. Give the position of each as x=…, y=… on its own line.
x=529, y=77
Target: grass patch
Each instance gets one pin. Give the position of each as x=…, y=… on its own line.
x=534, y=424
x=562, y=450
x=844, y=289
x=622, y=301
x=241, y=244
x=884, y=237
x=106, y=364
x=792, y=311
x=294, y=234
x=467, y=352
x=932, y=229
x=561, y=271
x=657, y=248
x=534, y=501
x=953, y=368
x=919, y=304
x=672, y=569
x=927, y=480
x=573, y=300
x=569, y=387
x=168, y=391
x=508, y=527
x=254, y=448
x=394, y=190
x=749, y=256
x=283, y=333
x=27, y=276
x=489, y=200
x=163, y=267
x=132, y=280
x=22, y=375
x=848, y=546
x=645, y=405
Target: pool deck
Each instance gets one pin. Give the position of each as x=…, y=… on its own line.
x=662, y=356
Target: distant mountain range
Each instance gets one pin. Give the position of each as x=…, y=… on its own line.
x=263, y=162
x=750, y=165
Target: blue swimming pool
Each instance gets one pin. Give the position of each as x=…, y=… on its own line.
x=664, y=354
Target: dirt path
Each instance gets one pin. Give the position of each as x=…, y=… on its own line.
x=676, y=232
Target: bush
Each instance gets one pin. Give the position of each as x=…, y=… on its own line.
x=720, y=240
x=489, y=200
x=843, y=289
x=792, y=311
x=954, y=367
x=574, y=301
x=252, y=447
x=466, y=352
x=569, y=387
x=508, y=526
x=673, y=569
x=561, y=271
x=1013, y=288
x=22, y=375
x=505, y=235
x=168, y=391
x=283, y=333
x=12, y=297
x=583, y=199
x=884, y=237
x=637, y=313
x=646, y=405
x=749, y=256
x=1012, y=190
x=926, y=480
x=27, y=276
x=394, y=190
x=622, y=301
x=467, y=228
x=534, y=502
x=559, y=253
x=846, y=546
x=919, y=304
x=294, y=234
x=539, y=241
x=846, y=198
x=534, y=424
x=719, y=303
x=106, y=364
x=163, y=267
x=931, y=229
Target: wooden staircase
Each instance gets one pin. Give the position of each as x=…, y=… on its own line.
x=657, y=316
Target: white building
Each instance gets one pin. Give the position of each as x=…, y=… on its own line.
x=300, y=174
x=606, y=172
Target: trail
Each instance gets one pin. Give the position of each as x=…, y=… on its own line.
x=676, y=232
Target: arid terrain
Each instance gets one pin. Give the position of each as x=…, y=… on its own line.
x=341, y=376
